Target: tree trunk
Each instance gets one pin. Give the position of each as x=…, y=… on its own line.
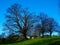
x=39, y=34
x=50, y=34
x=42, y=35
x=24, y=35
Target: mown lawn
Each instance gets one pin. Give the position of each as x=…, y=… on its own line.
x=38, y=41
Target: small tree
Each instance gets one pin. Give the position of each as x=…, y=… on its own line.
x=38, y=29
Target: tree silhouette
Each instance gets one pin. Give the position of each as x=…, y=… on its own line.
x=51, y=25
x=19, y=20
x=38, y=29
x=42, y=20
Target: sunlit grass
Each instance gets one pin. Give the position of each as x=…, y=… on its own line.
x=38, y=41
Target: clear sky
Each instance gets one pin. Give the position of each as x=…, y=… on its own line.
x=50, y=7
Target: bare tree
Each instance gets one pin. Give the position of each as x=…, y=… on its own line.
x=38, y=29
x=42, y=20
x=19, y=20
x=51, y=25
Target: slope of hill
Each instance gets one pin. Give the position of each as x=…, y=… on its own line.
x=38, y=41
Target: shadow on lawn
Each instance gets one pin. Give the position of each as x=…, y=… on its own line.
x=37, y=43
x=13, y=42
x=47, y=42
x=55, y=43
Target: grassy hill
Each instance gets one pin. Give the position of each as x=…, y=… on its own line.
x=38, y=41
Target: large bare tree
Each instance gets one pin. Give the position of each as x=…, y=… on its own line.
x=19, y=20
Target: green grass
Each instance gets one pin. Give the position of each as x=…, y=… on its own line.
x=38, y=41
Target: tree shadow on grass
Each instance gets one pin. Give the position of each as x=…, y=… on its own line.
x=12, y=42
x=55, y=43
x=47, y=42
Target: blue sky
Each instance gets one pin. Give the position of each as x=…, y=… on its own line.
x=50, y=7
